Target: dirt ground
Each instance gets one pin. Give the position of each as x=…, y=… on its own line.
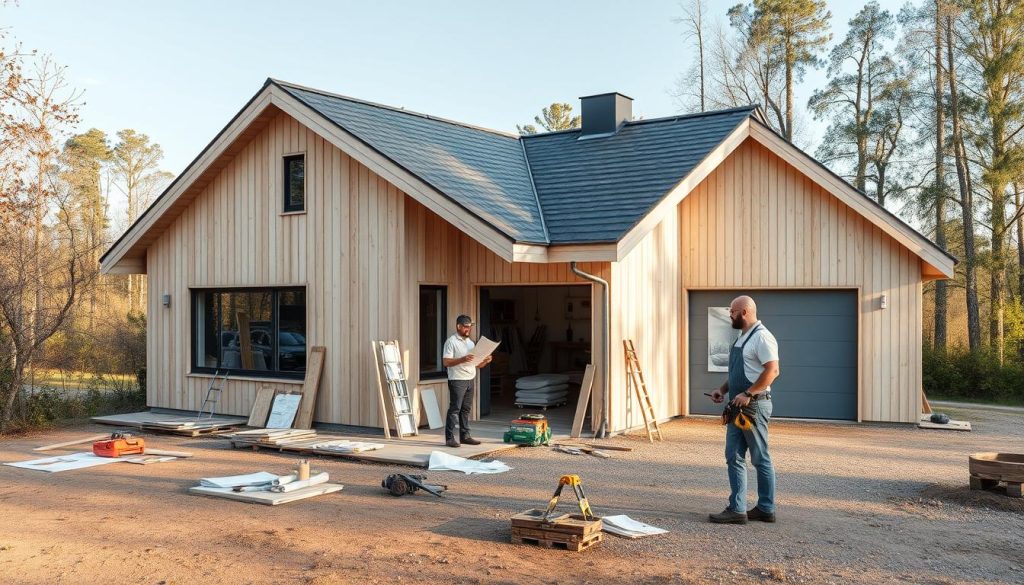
x=857, y=503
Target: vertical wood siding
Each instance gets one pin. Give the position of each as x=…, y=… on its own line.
x=756, y=222
x=361, y=250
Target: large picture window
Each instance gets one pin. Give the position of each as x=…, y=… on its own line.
x=259, y=332
x=433, y=308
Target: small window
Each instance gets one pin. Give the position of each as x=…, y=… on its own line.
x=433, y=308
x=273, y=320
x=295, y=183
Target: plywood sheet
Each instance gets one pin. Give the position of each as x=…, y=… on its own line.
x=268, y=498
x=314, y=368
x=581, y=404
x=261, y=406
x=430, y=406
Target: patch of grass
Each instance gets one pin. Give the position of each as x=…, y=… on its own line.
x=1009, y=401
x=53, y=378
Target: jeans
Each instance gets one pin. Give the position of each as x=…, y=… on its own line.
x=737, y=442
x=460, y=405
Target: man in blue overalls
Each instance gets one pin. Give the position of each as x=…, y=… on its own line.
x=753, y=366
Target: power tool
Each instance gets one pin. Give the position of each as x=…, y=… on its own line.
x=120, y=443
x=530, y=429
x=400, y=484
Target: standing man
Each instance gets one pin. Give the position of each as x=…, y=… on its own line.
x=753, y=366
x=456, y=357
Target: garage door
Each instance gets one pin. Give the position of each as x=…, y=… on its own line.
x=817, y=334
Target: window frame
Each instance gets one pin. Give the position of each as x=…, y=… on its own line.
x=272, y=371
x=441, y=373
x=286, y=208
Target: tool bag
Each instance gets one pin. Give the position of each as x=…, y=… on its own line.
x=743, y=417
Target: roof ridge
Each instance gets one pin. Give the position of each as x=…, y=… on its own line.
x=749, y=108
x=287, y=84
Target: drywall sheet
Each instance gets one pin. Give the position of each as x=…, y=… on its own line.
x=441, y=461
x=65, y=462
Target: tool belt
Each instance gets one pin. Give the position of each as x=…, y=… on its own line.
x=741, y=416
x=761, y=396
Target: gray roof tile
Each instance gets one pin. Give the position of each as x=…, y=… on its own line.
x=590, y=191
x=483, y=171
x=595, y=190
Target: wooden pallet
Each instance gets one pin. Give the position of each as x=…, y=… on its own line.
x=543, y=539
x=1013, y=488
x=569, y=531
x=189, y=431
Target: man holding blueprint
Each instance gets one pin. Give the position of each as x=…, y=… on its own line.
x=462, y=358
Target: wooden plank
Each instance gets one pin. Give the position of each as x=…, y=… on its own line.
x=314, y=368
x=581, y=403
x=261, y=406
x=91, y=439
x=165, y=452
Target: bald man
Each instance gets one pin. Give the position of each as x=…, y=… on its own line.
x=753, y=366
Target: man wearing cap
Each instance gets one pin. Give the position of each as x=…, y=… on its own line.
x=456, y=357
x=753, y=365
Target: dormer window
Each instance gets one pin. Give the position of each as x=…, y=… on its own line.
x=295, y=183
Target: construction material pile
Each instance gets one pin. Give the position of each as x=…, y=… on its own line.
x=542, y=390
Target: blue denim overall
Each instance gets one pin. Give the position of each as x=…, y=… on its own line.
x=737, y=442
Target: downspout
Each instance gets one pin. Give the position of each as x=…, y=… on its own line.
x=603, y=428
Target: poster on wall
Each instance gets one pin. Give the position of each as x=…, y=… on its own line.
x=721, y=336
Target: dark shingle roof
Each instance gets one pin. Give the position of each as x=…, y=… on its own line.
x=481, y=170
x=589, y=191
x=595, y=190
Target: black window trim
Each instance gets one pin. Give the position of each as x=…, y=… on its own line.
x=443, y=372
x=273, y=373
x=288, y=184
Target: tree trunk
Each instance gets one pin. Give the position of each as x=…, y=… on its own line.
x=789, y=91
x=966, y=199
x=941, y=290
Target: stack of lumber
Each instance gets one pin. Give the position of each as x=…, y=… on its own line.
x=188, y=426
x=298, y=440
x=273, y=438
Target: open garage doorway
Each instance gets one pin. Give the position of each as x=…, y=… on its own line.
x=546, y=334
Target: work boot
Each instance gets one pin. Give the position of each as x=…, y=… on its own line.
x=452, y=443
x=470, y=441
x=728, y=517
x=755, y=513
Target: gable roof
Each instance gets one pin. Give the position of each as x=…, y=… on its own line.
x=541, y=197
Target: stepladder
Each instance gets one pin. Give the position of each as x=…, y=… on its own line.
x=635, y=379
x=213, y=392
x=394, y=391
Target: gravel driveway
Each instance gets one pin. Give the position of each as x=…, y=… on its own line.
x=857, y=503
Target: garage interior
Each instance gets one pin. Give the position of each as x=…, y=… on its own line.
x=543, y=330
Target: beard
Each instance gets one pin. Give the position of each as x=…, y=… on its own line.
x=737, y=323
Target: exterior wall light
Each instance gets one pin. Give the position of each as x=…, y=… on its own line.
x=884, y=302
x=165, y=299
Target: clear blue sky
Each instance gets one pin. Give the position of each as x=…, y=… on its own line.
x=179, y=70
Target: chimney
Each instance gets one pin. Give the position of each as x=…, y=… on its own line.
x=604, y=113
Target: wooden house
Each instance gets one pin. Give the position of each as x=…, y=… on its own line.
x=331, y=221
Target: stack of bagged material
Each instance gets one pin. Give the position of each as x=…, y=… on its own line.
x=542, y=390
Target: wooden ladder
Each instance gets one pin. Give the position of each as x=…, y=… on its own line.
x=635, y=378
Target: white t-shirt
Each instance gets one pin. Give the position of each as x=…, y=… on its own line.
x=763, y=348
x=457, y=346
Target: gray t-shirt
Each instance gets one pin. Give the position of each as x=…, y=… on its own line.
x=456, y=347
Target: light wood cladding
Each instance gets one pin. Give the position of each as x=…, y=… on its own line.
x=757, y=223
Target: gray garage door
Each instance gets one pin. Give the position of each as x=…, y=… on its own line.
x=817, y=334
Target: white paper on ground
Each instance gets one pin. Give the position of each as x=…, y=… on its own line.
x=65, y=462
x=258, y=478
x=301, y=483
x=626, y=526
x=441, y=461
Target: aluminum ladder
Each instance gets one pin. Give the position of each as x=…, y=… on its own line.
x=213, y=394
